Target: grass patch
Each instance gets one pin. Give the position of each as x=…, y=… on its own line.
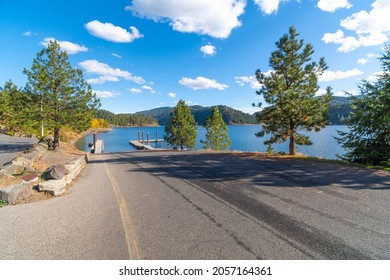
x=3, y=203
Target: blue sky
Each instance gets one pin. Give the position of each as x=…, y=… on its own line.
x=143, y=54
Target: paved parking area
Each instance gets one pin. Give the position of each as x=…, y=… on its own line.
x=10, y=147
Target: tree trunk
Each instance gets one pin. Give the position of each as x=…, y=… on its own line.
x=56, y=138
x=292, y=139
x=292, y=146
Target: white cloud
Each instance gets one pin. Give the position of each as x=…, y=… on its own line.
x=134, y=90
x=202, y=83
x=172, y=94
x=104, y=93
x=110, y=32
x=116, y=55
x=150, y=89
x=66, y=46
x=338, y=75
x=346, y=93
x=215, y=18
x=374, y=76
x=250, y=80
x=268, y=6
x=190, y=103
x=249, y=110
x=321, y=92
x=208, y=50
x=348, y=44
x=27, y=33
x=332, y=5
x=372, y=28
x=107, y=73
x=362, y=61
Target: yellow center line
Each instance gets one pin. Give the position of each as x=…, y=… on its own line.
x=131, y=237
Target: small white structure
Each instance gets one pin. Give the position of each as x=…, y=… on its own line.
x=98, y=148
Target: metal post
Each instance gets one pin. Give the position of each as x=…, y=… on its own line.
x=148, y=137
x=95, y=137
x=94, y=134
x=142, y=137
x=138, y=136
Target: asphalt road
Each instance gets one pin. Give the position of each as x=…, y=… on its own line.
x=11, y=147
x=186, y=205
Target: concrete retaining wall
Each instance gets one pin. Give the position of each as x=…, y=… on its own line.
x=57, y=187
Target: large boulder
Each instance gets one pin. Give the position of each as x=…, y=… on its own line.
x=13, y=189
x=18, y=165
x=57, y=172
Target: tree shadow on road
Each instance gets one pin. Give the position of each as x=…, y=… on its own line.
x=267, y=172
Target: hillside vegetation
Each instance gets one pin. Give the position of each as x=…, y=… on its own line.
x=126, y=119
x=229, y=115
x=339, y=110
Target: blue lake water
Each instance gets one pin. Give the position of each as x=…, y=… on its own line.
x=242, y=136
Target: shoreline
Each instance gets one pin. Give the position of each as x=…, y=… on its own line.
x=88, y=132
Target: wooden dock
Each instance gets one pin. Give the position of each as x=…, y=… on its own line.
x=145, y=145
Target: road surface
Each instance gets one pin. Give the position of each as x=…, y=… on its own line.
x=188, y=205
x=11, y=147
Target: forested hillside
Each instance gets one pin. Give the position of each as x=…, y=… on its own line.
x=126, y=119
x=229, y=115
x=339, y=110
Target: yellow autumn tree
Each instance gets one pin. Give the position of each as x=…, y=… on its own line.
x=95, y=123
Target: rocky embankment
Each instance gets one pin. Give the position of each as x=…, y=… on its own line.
x=40, y=170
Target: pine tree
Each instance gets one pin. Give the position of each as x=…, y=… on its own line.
x=368, y=139
x=16, y=108
x=181, y=129
x=63, y=97
x=290, y=91
x=216, y=132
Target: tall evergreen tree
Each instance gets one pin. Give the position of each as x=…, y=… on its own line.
x=290, y=90
x=216, y=132
x=64, y=98
x=181, y=129
x=16, y=108
x=368, y=139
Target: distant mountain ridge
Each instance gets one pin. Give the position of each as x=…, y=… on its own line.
x=229, y=115
x=339, y=110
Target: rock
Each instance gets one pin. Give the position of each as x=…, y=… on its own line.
x=13, y=169
x=30, y=178
x=57, y=187
x=32, y=156
x=17, y=165
x=21, y=161
x=49, y=141
x=13, y=189
x=40, y=148
x=57, y=172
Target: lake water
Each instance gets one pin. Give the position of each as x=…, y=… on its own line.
x=242, y=136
